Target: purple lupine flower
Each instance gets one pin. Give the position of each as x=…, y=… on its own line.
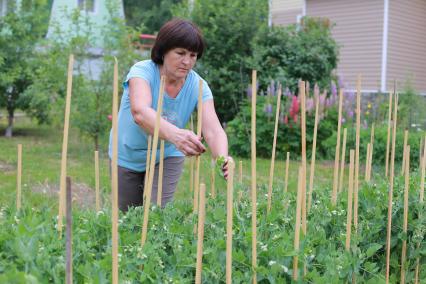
x=333, y=88
x=249, y=92
x=268, y=110
x=309, y=104
x=340, y=81
x=287, y=93
x=271, y=88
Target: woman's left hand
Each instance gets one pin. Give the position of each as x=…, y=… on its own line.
x=226, y=165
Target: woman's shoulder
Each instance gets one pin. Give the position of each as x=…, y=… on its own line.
x=145, y=64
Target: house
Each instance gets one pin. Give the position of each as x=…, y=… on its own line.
x=383, y=40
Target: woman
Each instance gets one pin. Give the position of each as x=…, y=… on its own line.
x=178, y=45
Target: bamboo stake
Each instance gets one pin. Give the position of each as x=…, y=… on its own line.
x=370, y=163
x=212, y=181
x=160, y=175
x=240, y=192
x=65, y=145
x=191, y=164
x=358, y=123
x=201, y=217
x=97, y=191
x=229, y=207
x=390, y=195
x=405, y=224
x=367, y=161
x=389, y=133
x=337, y=153
x=68, y=270
x=287, y=164
x=314, y=148
x=152, y=165
x=420, y=153
x=297, y=225
x=274, y=144
x=198, y=158
x=303, y=122
x=403, y=156
x=342, y=161
x=147, y=166
x=19, y=179
x=253, y=177
x=114, y=176
x=350, y=195
x=422, y=186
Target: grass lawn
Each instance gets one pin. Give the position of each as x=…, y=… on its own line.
x=42, y=147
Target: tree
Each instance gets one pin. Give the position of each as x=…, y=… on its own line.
x=20, y=31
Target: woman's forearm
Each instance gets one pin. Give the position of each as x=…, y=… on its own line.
x=218, y=142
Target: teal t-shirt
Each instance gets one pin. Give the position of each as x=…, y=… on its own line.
x=132, y=139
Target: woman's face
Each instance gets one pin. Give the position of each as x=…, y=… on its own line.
x=179, y=61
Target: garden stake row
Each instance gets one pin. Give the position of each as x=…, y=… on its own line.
x=403, y=156
x=287, y=164
x=405, y=224
x=19, y=178
x=160, y=175
x=274, y=144
x=297, y=224
x=201, y=217
x=97, y=193
x=114, y=176
x=147, y=166
x=350, y=195
x=342, y=161
x=197, y=159
x=337, y=153
x=390, y=197
x=358, y=123
x=314, y=147
x=389, y=133
x=229, y=209
x=65, y=145
x=253, y=176
x=152, y=162
x=68, y=234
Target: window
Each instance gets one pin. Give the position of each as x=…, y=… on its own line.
x=86, y=5
x=3, y=7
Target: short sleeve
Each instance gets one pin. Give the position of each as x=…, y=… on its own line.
x=207, y=92
x=144, y=70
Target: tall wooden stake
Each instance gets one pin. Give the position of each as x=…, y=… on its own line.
x=337, y=153
x=229, y=209
x=191, y=164
x=314, y=147
x=389, y=133
x=240, y=164
x=390, y=196
x=297, y=225
x=152, y=165
x=147, y=166
x=201, y=217
x=358, y=125
x=422, y=187
x=160, y=175
x=302, y=89
x=405, y=146
x=97, y=191
x=198, y=158
x=68, y=233
x=342, y=160
x=19, y=178
x=287, y=165
x=405, y=224
x=274, y=144
x=350, y=195
x=367, y=161
x=114, y=176
x=370, y=163
x=65, y=145
x=253, y=178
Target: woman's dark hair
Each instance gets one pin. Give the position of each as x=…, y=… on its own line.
x=174, y=34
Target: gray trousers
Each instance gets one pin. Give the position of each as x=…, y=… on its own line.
x=131, y=184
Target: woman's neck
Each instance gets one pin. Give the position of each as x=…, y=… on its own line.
x=171, y=80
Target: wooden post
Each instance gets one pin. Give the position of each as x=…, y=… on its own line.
x=297, y=224
x=201, y=216
x=191, y=164
x=114, y=176
x=287, y=164
x=367, y=161
x=389, y=132
x=19, y=178
x=403, y=156
x=405, y=223
x=152, y=162
x=68, y=234
x=97, y=191
x=342, y=161
x=314, y=147
x=198, y=158
x=422, y=187
x=390, y=195
x=253, y=178
x=147, y=165
x=303, y=136
x=229, y=208
x=350, y=195
x=337, y=153
x=274, y=144
x=370, y=163
x=356, y=178
x=160, y=175
x=62, y=183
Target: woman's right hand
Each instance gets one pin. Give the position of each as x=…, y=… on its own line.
x=188, y=142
